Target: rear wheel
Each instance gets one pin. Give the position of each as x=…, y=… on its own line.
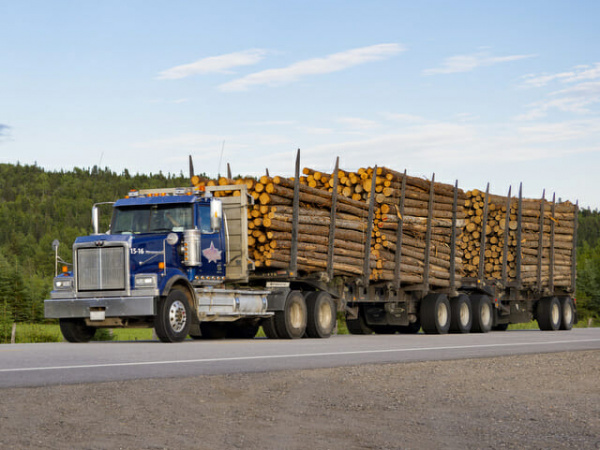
x=549, y=314
x=173, y=321
x=568, y=313
x=291, y=322
x=435, y=314
x=500, y=327
x=75, y=330
x=320, y=315
x=268, y=326
x=483, y=317
x=359, y=325
x=461, y=315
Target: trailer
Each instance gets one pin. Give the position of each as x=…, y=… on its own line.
x=178, y=260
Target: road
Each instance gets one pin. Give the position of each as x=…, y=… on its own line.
x=27, y=365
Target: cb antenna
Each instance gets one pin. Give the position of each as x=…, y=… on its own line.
x=221, y=159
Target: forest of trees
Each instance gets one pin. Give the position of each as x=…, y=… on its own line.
x=38, y=206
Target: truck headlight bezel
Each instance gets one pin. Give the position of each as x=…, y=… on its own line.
x=63, y=283
x=146, y=281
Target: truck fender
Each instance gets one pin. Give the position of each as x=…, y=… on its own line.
x=179, y=279
x=276, y=299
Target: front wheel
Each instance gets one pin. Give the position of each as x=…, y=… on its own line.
x=75, y=330
x=174, y=319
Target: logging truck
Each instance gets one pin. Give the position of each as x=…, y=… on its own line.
x=398, y=254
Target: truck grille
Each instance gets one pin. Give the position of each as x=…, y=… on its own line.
x=101, y=269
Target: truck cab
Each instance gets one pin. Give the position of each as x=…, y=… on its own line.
x=164, y=263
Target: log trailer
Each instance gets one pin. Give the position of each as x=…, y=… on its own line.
x=177, y=260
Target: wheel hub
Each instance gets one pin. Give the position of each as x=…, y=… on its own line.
x=177, y=316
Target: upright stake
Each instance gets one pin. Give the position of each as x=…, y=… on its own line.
x=519, y=235
x=453, y=239
x=505, y=247
x=398, y=257
x=552, y=230
x=428, y=235
x=367, y=263
x=481, y=274
x=332, y=218
x=541, y=243
x=574, y=250
x=295, y=219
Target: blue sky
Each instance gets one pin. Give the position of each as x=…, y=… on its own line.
x=478, y=91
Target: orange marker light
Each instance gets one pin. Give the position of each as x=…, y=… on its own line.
x=161, y=265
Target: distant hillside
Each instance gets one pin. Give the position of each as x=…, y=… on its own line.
x=38, y=206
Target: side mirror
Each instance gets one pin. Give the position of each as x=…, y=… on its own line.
x=216, y=214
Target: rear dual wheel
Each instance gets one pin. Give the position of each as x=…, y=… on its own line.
x=461, y=314
x=435, y=314
x=321, y=314
x=291, y=322
x=549, y=314
x=483, y=313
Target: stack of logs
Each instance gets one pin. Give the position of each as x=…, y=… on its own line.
x=559, y=223
x=270, y=227
x=270, y=224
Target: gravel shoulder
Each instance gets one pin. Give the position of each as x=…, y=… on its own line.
x=531, y=401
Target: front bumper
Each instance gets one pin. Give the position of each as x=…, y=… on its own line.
x=63, y=308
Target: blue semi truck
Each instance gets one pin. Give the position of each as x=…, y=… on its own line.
x=177, y=260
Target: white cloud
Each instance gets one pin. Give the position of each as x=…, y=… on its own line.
x=214, y=64
x=578, y=73
x=578, y=98
x=466, y=63
x=317, y=66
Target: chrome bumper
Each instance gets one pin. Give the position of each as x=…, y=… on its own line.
x=57, y=308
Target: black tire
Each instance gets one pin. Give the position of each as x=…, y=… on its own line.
x=243, y=329
x=268, y=326
x=500, y=327
x=358, y=326
x=435, y=314
x=321, y=315
x=174, y=318
x=567, y=308
x=461, y=314
x=412, y=328
x=549, y=314
x=214, y=330
x=291, y=322
x=75, y=330
x=483, y=314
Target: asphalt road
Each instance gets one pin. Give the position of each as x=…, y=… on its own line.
x=63, y=363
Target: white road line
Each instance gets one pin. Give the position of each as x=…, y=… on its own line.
x=303, y=355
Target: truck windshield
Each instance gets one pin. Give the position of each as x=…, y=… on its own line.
x=151, y=219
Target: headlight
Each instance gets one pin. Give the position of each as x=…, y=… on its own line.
x=145, y=281
x=63, y=283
